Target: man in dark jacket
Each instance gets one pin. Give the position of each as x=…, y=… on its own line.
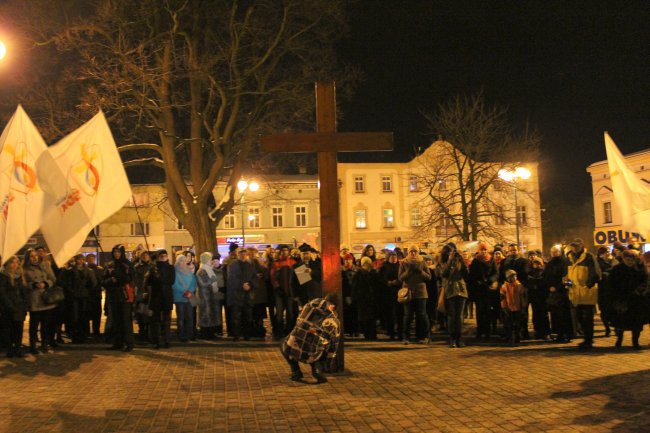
x=483, y=278
x=312, y=288
x=95, y=296
x=78, y=282
x=140, y=270
x=239, y=286
x=118, y=281
x=557, y=300
x=281, y=278
x=313, y=340
x=160, y=298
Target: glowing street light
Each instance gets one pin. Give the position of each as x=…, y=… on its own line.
x=3, y=50
x=512, y=176
x=242, y=187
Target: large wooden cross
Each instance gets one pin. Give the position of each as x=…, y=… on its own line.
x=327, y=142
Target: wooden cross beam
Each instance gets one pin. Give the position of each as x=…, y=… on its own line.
x=327, y=142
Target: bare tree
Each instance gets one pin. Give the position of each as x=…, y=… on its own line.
x=466, y=199
x=191, y=82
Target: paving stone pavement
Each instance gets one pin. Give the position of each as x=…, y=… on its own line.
x=227, y=387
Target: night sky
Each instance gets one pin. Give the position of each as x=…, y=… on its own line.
x=571, y=69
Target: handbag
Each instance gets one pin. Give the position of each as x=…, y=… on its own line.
x=53, y=295
x=404, y=295
x=441, y=301
x=144, y=310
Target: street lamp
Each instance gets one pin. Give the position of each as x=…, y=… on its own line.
x=512, y=176
x=3, y=50
x=244, y=186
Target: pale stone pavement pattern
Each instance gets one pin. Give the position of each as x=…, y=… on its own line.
x=223, y=387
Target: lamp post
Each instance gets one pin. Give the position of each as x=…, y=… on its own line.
x=512, y=176
x=244, y=186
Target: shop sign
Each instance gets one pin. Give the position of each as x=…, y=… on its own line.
x=611, y=235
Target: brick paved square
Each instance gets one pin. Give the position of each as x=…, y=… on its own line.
x=224, y=387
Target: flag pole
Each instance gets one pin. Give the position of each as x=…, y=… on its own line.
x=144, y=232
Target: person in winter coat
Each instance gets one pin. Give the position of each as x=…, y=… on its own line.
x=311, y=289
x=393, y=311
x=258, y=293
x=557, y=301
x=606, y=263
x=483, y=279
x=414, y=274
x=95, y=296
x=513, y=303
x=39, y=277
x=514, y=260
x=628, y=280
x=210, y=296
x=14, y=304
x=365, y=291
x=537, y=293
x=140, y=270
x=582, y=278
x=240, y=285
x=78, y=281
x=118, y=282
x=493, y=296
x=160, y=299
x=281, y=280
x=454, y=275
x=348, y=272
x=184, y=288
x=314, y=340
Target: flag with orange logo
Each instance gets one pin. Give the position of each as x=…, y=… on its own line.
x=85, y=183
x=20, y=193
x=631, y=194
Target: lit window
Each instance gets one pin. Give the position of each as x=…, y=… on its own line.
x=359, y=184
x=445, y=219
x=442, y=184
x=386, y=184
x=607, y=209
x=229, y=220
x=499, y=216
x=413, y=183
x=278, y=217
x=521, y=215
x=139, y=199
x=360, y=218
x=389, y=220
x=139, y=229
x=254, y=218
x=301, y=216
x=415, y=217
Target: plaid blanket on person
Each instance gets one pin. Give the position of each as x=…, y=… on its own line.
x=315, y=335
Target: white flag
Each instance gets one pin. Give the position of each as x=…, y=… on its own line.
x=22, y=198
x=631, y=194
x=85, y=183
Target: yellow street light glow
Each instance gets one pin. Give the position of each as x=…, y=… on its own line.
x=522, y=173
x=242, y=185
x=3, y=50
x=253, y=186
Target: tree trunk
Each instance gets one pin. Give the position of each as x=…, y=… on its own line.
x=202, y=230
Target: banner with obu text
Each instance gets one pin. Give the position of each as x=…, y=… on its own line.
x=20, y=194
x=632, y=196
x=84, y=183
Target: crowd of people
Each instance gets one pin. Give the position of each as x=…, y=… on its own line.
x=384, y=293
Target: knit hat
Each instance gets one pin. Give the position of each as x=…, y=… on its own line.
x=365, y=260
x=510, y=272
x=348, y=256
x=482, y=244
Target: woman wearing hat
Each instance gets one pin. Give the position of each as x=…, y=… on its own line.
x=454, y=274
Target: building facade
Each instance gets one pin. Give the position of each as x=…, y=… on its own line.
x=384, y=204
x=607, y=220
x=391, y=205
